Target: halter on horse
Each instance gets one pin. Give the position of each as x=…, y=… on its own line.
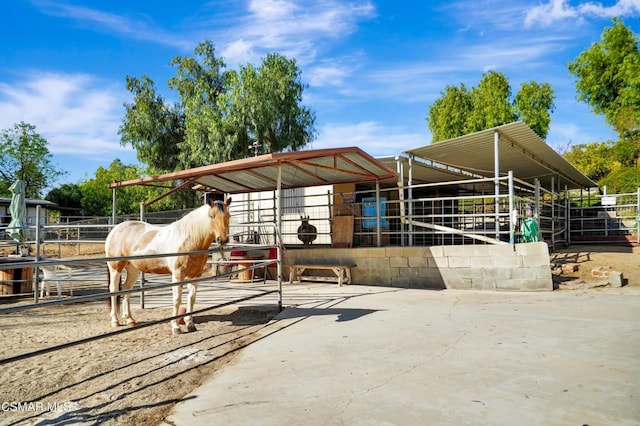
x=195, y=231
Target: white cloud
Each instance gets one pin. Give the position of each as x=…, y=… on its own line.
x=139, y=28
x=295, y=29
x=558, y=10
x=73, y=112
x=372, y=137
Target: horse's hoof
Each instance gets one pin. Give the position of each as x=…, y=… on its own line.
x=115, y=324
x=131, y=323
x=176, y=331
x=191, y=327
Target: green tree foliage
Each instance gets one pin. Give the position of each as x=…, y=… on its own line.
x=490, y=103
x=622, y=180
x=24, y=155
x=97, y=197
x=608, y=79
x=607, y=163
x=592, y=159
x=67, y=195
x=448, y=114
x=270, y=105
x=152, y=127
x=220, y=115
x=460, y=111
x=534, y=103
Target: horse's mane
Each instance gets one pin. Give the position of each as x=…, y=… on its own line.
x=195, y=225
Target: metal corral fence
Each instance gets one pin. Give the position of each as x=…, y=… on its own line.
x=446, y=213
x=463, y=212
x=85, y=279
x=597, y=218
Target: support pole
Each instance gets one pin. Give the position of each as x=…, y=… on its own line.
x=36, y=272
x=378, y=218
x=496, y=176
x=141, y=273
x=400, y=171
x=536, y=208
x=553, y=212
x=513, y=216
x=410, y=184
x=567, y=210
x=113, y=207
x=278, y=241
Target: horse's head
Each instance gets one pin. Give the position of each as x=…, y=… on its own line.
x=219, y=214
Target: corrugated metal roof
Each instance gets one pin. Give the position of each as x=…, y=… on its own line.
x=260, y=173
x=520, y=150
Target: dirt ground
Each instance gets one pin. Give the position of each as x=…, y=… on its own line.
x=130, y=378
x=625, y=259
x=137, y=377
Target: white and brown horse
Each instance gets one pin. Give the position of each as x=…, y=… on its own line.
x=195, y=231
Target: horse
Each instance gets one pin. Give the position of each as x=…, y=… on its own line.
x=195, y=231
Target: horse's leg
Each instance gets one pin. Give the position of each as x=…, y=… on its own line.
x=177, y=300
x=132, y=276
x=191, y=301
x=114, y=279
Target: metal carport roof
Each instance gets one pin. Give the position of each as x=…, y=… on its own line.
x=260, y=173
x=520, y=150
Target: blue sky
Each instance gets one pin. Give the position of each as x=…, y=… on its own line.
x=373, y=67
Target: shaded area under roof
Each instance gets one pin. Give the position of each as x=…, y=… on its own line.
x=520, y=150
x=260, y=173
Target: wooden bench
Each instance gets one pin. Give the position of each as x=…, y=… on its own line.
x=342, y=272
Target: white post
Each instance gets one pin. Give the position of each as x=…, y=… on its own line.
x=512, y=222
x=553, y=212
x=279, y=232
x=410, y=184
x=36, y=272
x=141, y=273
x=536, y=208
x=496, y=176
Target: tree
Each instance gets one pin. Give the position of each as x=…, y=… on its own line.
x=460, y=111
x=608, y=79
x=533, y=104
x=153, y=128
x=67, y=195
x=97, y=197
x=221, y=114
x=448, y=114
x=24, y=155
x=592, y=159
x=490, y=104
x=270, y=108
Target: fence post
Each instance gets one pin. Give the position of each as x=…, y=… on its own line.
x=638, y=216
x=36, y=275
x=141, y=273
x=567, y=214
x=496, y=181
x=513, y=216
x=553, y=212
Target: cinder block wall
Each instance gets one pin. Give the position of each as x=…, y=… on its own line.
x=523, y=267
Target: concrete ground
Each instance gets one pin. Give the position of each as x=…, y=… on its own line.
x=372, y=355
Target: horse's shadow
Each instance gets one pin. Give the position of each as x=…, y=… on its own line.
x=343, y=314
x=244, y=315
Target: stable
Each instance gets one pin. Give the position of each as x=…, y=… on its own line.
x=444, y=215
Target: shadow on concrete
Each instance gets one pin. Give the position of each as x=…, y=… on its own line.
x=342, y=314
